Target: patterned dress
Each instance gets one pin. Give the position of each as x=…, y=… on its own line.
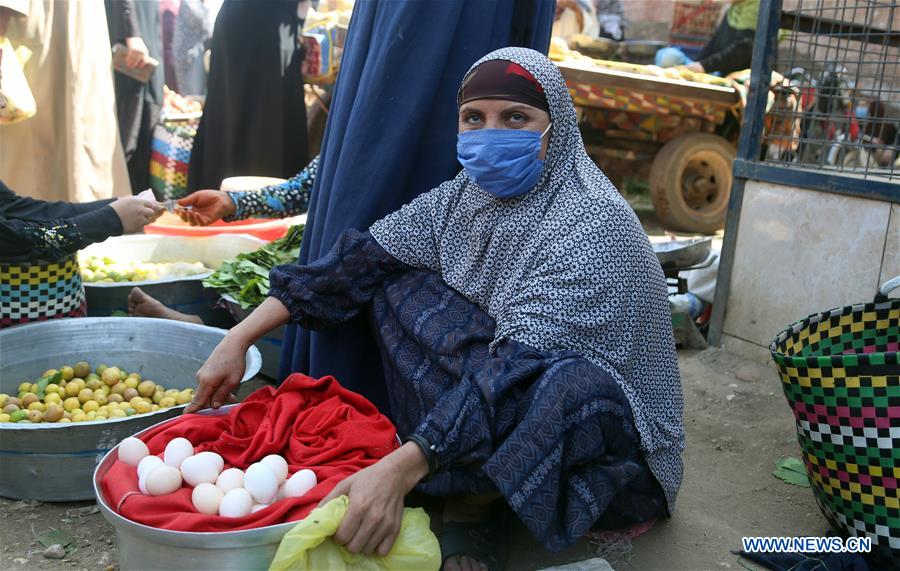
x=289, y=198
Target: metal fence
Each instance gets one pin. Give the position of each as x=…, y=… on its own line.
x=835, y=108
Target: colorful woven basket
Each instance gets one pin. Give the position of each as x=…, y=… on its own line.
x=841, y=376
x=170, y=156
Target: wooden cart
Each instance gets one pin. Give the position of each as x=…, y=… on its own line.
x=686, y=128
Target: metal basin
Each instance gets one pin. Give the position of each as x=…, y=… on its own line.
x=270, y=344
x=682, y=254
x=54, y=462
x=144, y=547
x=184, y=294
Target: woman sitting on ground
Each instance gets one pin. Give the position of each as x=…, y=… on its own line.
x=524, y=330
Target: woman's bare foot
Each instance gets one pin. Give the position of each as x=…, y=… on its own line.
x=467, y=509
x=142, y=305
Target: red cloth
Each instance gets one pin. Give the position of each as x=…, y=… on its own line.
x=315, y=424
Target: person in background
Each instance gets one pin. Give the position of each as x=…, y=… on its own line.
x=136, y=24
x=611, y=18
x=70, y=150
x=575, y=17
x=254, y=119
x=193, y=30
x=729, y=50
x=38, y=241
x=168, y=16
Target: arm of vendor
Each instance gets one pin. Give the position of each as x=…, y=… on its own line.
x=290, y=198
x=38, y=231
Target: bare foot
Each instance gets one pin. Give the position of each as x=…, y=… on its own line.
x=467, y=509
x=463, y=564
x=142, y=305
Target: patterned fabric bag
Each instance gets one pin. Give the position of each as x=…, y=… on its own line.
x=37, y=292
x=170, y=156
x=841, y=376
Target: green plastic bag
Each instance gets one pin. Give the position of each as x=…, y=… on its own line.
x=308, y=546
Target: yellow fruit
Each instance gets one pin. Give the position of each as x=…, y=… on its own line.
x=92, y=376
x=184, y=396
x=142, y=407
x=136, y=376
x=49, y=373
x=82, y=369
x=52, y=398
x=90, y=406
x=129, y=411
x=158, y=396
x=166, y=402
x=172, y=393
x=37, y=405
x=33, y=388
x=118, y=413
x=35, y=416
x=100, y=368
x=118, y=389
x=79, y=416
x=4, y=417
x=85, y=395
x=68, y=373
x=102, y=415
x=53, y=390
x=100, y=398
x=154, y=408
x=62, y=420
x=147, y=388
x=129, y=394
x=123, y=375
x=94, y=384
x=62, y=386
x=68, y=415
x=110, y=376
x=53, y=413
x=24, y=387
x=72, y=389
x=115, y=398
x=91, y=415
x=71, y=404
x=131, y=382
x=4, y=398
x=29, y=398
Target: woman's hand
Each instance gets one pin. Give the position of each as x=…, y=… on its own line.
x=220, y=375
x=137, y=53
x=207, y=206
x=135, y=213
x=376, y=494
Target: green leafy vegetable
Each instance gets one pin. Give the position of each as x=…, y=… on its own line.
x=42, y=384
x=246, y=278
x=792, y=471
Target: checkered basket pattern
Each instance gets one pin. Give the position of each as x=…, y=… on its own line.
x=170, y=156
x=37, y=292
x=841, y=376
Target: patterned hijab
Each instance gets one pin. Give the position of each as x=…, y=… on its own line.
x=566, y=266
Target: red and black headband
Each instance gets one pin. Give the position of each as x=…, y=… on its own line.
x=503, y=79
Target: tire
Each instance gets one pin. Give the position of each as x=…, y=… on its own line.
x=690, y=182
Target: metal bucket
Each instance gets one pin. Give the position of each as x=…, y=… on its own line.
x=54, y=462
x=184, y=294
x=144, y=547
x=270, y=344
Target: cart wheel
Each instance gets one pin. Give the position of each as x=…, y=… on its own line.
x=690, y=181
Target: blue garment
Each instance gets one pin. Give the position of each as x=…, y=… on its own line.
x=549, y=430
x=391, y=135
x=290, y=198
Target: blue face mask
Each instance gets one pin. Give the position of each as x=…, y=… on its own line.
x=503, y=162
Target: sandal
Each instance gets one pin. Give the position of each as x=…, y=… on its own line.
x=486, y=541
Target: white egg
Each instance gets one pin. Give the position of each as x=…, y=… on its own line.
x=230, y=479
x=236, y=503
x=261, y=482
x=147, y=463
x=177, y=450
x=162, y=480
x=198, y=470
x=220, y=463
x=132, y=450
x=279, y=495
x=278, y=465
x=257, y=507
x=300, y=483
x=206, y=498
x=142, y=479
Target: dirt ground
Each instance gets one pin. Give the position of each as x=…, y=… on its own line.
x=738, y=425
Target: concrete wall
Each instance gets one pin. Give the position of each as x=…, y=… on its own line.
x=801, y=252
